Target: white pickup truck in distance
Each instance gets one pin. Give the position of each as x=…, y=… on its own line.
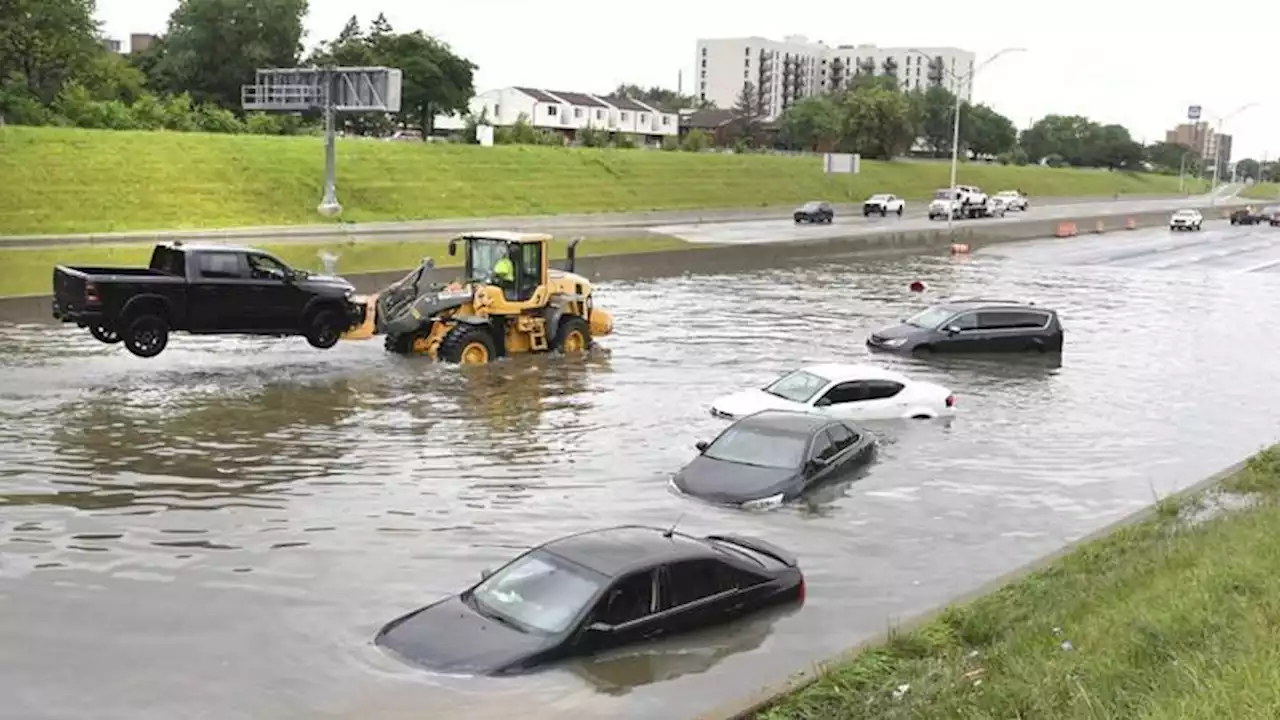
x=883, y=204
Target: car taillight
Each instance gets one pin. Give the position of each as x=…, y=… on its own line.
x=801, y=588
x=951, y=401
x=91, y=294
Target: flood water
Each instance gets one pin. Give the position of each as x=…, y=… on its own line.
x=219, y=532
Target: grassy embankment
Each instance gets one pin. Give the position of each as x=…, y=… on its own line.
x=27, y=271
x=1177, y=618
x=1263, y=191
x=60, y=180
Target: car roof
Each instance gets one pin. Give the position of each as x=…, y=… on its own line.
x=977, y=303
x=618, y=550
x=1186, y=211
x=790, y=422
x=505, y=236
x=841, y=372
x=209, y=247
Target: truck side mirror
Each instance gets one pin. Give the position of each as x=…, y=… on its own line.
x=571, y=254
x=453, y=247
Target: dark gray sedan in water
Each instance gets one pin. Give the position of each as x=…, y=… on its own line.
x=773, y=457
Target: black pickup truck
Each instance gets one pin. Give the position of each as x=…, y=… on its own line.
x=203, y=289
x=1247, y=216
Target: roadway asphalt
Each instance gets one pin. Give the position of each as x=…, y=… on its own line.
x=784, y=229
x=595, y=225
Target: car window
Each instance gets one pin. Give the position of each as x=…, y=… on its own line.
x=692, y=580
x=846, y=392
x=799, y=386
x=747, y=445
x=822, y=448
x=1010, y=319
x=531, y=261
x=631, y=598
x=931, y=318
x=262, y=267
x=964, y=321
x=881, y=389
x=222, y=266
x=539, y=591
x=841, y=436
x=168, y=261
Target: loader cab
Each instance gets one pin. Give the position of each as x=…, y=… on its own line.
x=528, y=255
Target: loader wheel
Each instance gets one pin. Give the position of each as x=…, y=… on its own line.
x=573, y=336
x=398, y=344
x=468, y=345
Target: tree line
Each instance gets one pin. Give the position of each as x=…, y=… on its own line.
x=55, y=69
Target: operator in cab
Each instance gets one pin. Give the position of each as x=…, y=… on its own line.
x=504, y=271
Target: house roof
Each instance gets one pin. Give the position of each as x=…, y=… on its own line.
x=576, y=98
x=625, y=103
x=539, y=95
x=708, y=119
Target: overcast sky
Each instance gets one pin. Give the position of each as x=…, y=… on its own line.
x=1135, y=62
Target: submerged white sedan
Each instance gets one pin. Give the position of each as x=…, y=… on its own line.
x=851, y=392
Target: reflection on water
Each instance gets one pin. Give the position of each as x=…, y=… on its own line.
x=245, y=513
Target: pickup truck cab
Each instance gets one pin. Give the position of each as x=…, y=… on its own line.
x=206, y=290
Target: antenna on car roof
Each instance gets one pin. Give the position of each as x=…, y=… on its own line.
x=672, y=530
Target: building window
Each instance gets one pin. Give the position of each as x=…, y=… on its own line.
x=552, y=109
x=748, y=52
x=704, y=63
x=666, y=119
x=623, y=116
x=599, y=114
x=496, y=110
x=577, y=112
x=704, y=52
x=644, y=118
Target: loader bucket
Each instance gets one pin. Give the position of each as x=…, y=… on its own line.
x=364, y=330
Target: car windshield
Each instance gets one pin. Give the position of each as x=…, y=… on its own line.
x=538, y=591
x=942, y=195
x=811, y=206
x=879, y=197
x=1185, y=213
x=930, y=319
x=743, y=444
x=798, y=386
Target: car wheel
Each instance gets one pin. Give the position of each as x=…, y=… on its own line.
x=323, y=331
x=884, y=211
x=922, y=351
x=573, y=336
x=900, y=212
x=921, y=416
x=101, y=334
x=147, y=336
x=468, y=345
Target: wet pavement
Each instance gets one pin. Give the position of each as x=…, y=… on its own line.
x=218, y=532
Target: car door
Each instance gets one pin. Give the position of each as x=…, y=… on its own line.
x=820, y=460
x=842, y=439
x=626, y=613
x=961, y=334
x=1008, y=330
x=273, y=300
x=862, y=400
x=704, y=592
x=215, y=293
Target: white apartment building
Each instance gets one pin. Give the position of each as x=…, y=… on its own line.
x=567, y=112
x=783, y=72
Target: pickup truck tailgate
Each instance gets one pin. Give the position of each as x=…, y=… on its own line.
x=68, y=289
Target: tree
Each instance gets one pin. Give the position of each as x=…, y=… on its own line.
x=1064, y=135
x=877, y=122
x=1112, y=147
x=936, y=115
x=987, y=132
x=748, y=113
x=46, y=43
x=1169, y=157
x=434, y=80
x=661, y=98
x=1248, y=169
x=813, y=123
x=212, y=47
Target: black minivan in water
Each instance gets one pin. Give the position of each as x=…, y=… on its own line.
x=973, y=325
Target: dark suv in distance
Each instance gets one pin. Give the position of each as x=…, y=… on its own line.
x=814, y=211
x=973, y=325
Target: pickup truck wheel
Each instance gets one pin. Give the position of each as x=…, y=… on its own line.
x=899, y=211
x=101, y=334
x=147, y=336
x=323, y=331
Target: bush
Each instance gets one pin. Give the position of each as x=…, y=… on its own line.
x=696, y=141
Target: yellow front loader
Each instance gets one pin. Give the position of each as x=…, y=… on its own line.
x=510, y=301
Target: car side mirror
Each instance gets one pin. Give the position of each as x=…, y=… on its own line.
x=486, y=573
x=822, y=402
x=702, y=445
x=599, y=628
x=816, y=464
x=952, y=329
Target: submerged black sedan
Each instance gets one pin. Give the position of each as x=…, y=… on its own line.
x=773, y=457
x=591, y=592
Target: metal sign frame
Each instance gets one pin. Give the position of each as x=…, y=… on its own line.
x=331, y=89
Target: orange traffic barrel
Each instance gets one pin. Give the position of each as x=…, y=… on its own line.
x=1129, y=224
x=1066, y=229
x=959, y=249
x=1099, y=227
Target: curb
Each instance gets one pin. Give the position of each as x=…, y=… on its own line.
x=744, y=708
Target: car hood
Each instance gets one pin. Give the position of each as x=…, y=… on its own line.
x=731, y=484
x=451, y=637
x=747, y=402
x=901, y=330
x=332, y=281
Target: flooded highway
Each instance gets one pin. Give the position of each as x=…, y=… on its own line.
x=220, y=531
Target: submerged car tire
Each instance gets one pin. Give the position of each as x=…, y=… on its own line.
x=101, y=334
x=573, y=336
x=468, y=345
x=323, y=330
x=147, y=335
x=922, y=351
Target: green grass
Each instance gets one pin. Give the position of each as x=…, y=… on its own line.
x=59, y=180
x=28, y=271
x=1169, y=619
x=1263, y=191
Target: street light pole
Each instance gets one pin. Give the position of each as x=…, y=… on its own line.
x=1217, y=149
x=965, y=81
